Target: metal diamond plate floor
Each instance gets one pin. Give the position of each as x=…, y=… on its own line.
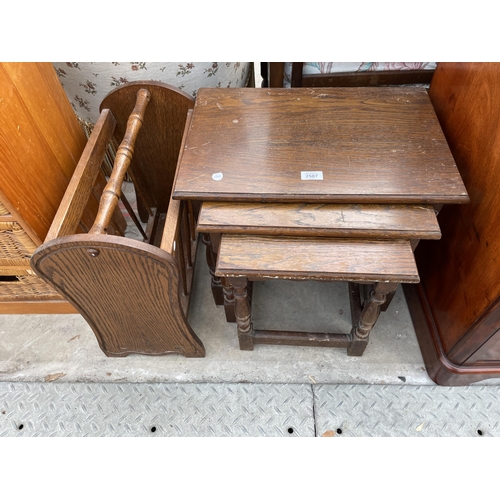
x=389, y=410
x=244, y=410
x=155, y=409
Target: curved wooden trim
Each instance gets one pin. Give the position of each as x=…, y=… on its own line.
x=153, y=165
x=89, y=239
x=146, y=84
x=478, y=334
x=190, y=345
x=440, y=369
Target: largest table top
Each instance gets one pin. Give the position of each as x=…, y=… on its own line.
x=379, y=145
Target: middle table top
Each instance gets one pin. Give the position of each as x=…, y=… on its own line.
x=347, y=145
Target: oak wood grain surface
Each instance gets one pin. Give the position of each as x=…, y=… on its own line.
x=152, y=168
x=134, y=296
x=312, y=219
x=281, y=257
x=377, y=145
x=94, y=271
x=80, y=186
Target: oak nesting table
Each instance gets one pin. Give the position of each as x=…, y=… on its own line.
x=327, y=184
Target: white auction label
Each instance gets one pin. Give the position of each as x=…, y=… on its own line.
x=311, y=176
x=217, y=177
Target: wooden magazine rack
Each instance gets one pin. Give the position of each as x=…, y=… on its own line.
x=133, y=294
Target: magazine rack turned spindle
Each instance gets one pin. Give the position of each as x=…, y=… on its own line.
x=133, y=294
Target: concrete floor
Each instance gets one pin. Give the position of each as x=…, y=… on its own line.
x=63, y=347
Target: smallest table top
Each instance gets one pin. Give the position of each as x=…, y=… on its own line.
x=281, y=257
x=348, y=145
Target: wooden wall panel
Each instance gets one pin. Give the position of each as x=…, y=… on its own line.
x=40, y=142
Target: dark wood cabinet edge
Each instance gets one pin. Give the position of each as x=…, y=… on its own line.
x=276, y=73
x=440, y=369
x=478, y=334
x=297, y=74
x=368, y=78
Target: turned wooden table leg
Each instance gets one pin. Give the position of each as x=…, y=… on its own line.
x=242, y=312
x=229, y=302
x=211, y=261
x=388, y=300
x=361, y=330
